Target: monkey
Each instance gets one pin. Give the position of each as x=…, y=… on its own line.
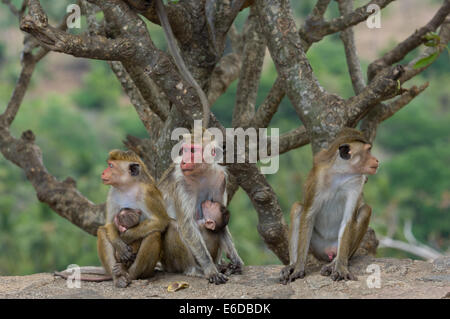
x=334, y=217
x=143, y=5
x=132, y=186
x=128, y=218
x=186, y=185
x=178, y=258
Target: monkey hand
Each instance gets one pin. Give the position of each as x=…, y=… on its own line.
x=337, y=272
x=290, y=273
x=124, y=253
x=210, y=206
x=217, y=278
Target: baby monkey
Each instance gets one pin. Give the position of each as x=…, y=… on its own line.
x=215, y=217
x=128, y=218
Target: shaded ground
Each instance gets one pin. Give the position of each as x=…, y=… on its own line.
x=400, y=278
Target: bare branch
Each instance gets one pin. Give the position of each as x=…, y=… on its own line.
x=254, y=52
x=314, y=33
x=150, y=120
x=348, y=38
x=293, y=139
x=289, y=57
x=409, y=44
x=269, y=107
x=382, y=112
x=424, y=252
x=62, y=197
x=225, y=73
x=383, y=87
x=54, y=39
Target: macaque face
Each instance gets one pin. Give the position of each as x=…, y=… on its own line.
x=355, y=158
x=192, y=161
x=120, y=173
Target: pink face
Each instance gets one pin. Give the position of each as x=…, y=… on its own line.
x=192, y=160
x=109, y=174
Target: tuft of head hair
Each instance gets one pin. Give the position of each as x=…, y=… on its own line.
x=200, y=139
x=130, y=156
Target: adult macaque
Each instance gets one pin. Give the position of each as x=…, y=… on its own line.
x=132, y=187
x=187, y=186
x=334, y=218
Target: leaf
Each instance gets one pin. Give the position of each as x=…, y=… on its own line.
x=433, y=39
x=426, y=60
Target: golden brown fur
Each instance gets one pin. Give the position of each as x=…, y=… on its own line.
x=132, y=187
x=334, y=218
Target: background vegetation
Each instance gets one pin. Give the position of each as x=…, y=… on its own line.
x=76, y=125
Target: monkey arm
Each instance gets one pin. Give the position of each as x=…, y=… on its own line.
x=145, y=228
x=226, y=242
x=122, y=250
x=156, y=222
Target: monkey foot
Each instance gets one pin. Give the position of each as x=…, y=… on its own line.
x=343, y=275
x=218, y=278
x=337, y=273
x=289, y=274
x=122, y=282
x=119, y=269
x=327, y=269
x=231, y=268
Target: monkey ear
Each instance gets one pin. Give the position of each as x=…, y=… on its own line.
x=344, y=151
x=134, y=169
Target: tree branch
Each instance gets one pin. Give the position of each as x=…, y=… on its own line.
x=382, y=111
x=348, y=38
x=54, y=39
x=269, y=107
x=314, y=33
x=283, y=41
x=254, y=52
x=224, y=73
x=409, y=44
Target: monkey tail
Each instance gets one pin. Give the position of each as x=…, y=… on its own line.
x=179, y=62
x=88, y=273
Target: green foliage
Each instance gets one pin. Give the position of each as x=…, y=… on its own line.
x=101, y=89
x=75, y=132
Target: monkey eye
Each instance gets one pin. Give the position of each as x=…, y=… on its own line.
x=344, y=151
x=110, y=165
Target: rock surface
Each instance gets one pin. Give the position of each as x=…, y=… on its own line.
x=399, y=278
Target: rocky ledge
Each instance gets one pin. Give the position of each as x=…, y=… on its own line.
x=377, y=278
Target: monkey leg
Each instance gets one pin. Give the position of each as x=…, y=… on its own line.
x=349, y=243
x=148, y=255
x=287, y=273
x=107, y=257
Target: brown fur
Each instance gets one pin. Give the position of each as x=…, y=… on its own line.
x=335, y=171
x=188, y=247
x=134, y=253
